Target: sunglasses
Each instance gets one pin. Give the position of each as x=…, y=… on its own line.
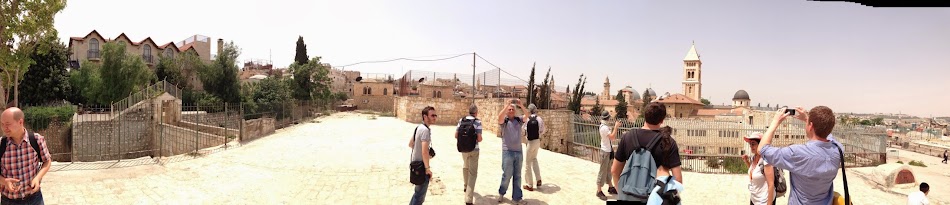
x=433, y=115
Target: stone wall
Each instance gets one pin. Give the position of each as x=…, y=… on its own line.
x=257, y=128
x=230, y=119
x=559, y=134
x=58, y=136
x=209, y=129
x=450, y=110
x=128, y=135
x=178, y=140
x=374, y=103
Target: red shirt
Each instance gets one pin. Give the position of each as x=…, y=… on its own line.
x=19, y=161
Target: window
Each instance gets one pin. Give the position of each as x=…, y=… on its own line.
x=369, y=91
x=695, y=133
x=169, y=53
x=93, y=49
x=147, y=53
x=728, y=150
x=385, y=91
x=439, y=94
x=725, y=133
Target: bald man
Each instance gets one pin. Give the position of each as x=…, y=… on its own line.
x=21, y=165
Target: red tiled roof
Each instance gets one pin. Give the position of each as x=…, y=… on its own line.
x=186, y=47
x=679, y=99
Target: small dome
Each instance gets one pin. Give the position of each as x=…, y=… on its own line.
x=634, y=95
x=650, y=92
x=741, y=95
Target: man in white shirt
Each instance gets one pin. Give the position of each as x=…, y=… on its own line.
x=607, y=136
x=919, y=197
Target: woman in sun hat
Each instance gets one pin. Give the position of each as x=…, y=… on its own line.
x=761, y=176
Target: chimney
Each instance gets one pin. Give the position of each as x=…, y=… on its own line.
x=220, y=45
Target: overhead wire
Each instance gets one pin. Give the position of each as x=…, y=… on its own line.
x=408, y=59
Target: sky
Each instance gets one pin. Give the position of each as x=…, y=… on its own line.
x=846, y=56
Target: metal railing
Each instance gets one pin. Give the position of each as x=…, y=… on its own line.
x=715, y=146
x=92, y=54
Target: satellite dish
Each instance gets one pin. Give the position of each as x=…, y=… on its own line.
x=422, y=79
x=358, y=79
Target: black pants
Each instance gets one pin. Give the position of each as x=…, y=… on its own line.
x=34, y=199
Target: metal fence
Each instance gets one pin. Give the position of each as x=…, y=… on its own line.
x=717, y=146
x=495, y=81
x=150, y=132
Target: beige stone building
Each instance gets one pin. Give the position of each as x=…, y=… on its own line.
x=609, y=103
x=680, y=106
x=373, y=87
x=89, y=48
x=692, y=74
x=435, y=89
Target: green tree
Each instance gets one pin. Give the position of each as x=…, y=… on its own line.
x=646, y=101
x=621, y=108
x=532, y=98
x=866, y=122
x=168, y=70
x=544, y=94
x=311, y=80
x=301, y=57
x=877, y=121
x=705, y=101
x=118, y=76
x=598, y=109
x=575, y=104
x=22, y=23
x=220, y=78
x=47, y=79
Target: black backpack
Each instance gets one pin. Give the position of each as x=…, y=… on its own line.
x=467, y=135
x=33, y=142
x=533, y=128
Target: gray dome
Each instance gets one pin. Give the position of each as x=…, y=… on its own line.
x=650, y=92
x=741, y=95
x=634, y=95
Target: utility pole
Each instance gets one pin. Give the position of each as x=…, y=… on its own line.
x=473, y=78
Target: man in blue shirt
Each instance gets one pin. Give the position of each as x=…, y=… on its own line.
x=812, y=166
x=511, y=159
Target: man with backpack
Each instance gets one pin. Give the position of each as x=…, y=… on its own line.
x=25, y=161
x=645, y=161
x=421, y=151
x=534, y=128
x=812, y=166
x=469, y=134
x=511, y=159
x=607, y=136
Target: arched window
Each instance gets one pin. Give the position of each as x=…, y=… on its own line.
x=385, y=91
x=147, y=53
x=169, y=53
x=93, y=49
x=369, y=91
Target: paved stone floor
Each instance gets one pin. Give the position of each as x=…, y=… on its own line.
x=350, y=159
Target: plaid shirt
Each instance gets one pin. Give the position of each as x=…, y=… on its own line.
x=19, y=161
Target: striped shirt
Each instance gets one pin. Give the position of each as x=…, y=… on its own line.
x=19, y=161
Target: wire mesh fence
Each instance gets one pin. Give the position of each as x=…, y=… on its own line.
x=717, y=147
x=156, y=131
x=494, y=82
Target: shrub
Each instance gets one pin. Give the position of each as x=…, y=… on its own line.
x=917, y=163
x=900, y=162
x=735, y=165
x=712, y=163
x=39, y=118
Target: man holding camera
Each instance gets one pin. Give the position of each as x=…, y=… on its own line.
x=511, y=158
x=812, y=166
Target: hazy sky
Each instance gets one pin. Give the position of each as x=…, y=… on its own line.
x=849, y=57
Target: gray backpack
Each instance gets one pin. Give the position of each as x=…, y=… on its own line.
x=639, y=172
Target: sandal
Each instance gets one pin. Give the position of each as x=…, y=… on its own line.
x=539, y=183
x=526, y=187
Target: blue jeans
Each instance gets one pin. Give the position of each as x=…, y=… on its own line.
x=34, y=199
x=511, y=165
x=420, y=195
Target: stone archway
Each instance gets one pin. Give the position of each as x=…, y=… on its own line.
x=904, y=177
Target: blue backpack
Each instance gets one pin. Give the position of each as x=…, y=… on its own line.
x=639, y=172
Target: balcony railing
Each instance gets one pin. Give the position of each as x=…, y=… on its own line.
x=92, y=54
x=147, y=58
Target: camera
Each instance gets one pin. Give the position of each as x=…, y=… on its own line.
x=790, y=111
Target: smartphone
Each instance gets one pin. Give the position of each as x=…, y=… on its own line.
x=790, y=111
